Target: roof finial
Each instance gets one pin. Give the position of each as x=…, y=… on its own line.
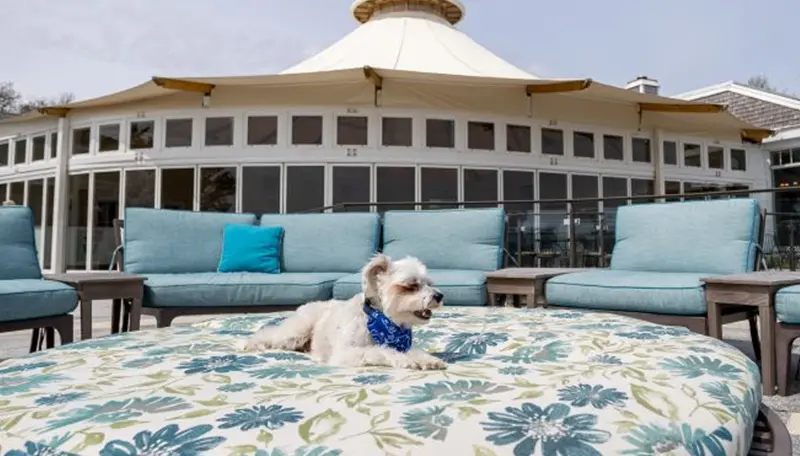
x=450, y=10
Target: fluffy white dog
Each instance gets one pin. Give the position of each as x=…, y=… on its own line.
x=371, y=329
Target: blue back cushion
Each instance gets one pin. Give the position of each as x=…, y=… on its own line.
x=326, y=242
x=715, y=237
x=161, y=241
x=467, y=239
x=248, y=248
x=18, y=258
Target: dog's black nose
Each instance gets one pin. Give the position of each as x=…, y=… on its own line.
x=438, y=297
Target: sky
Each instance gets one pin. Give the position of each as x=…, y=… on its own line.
x=95, y=47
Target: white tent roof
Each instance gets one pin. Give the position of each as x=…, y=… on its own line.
x=414, y=41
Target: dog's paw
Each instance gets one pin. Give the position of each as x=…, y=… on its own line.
x=255, y=344
x=428, y=363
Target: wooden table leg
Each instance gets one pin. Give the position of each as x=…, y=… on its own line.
x=538, y=293
x=116, y=315
x=50, y=337
x=86, y=319
x=136, y=314
x=766, y=316
x=714, y=319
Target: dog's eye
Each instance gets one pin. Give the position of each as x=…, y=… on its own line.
x=411, y=286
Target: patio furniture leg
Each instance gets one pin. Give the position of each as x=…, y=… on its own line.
x=116, y=311
x=714, y=320
x=66, y=328
x=126, y=315
x=86, y=319
x=134, y=314
x=784, y=338
x=766, y=315
x=50, y=336
x=34, y=340
x=754, y=339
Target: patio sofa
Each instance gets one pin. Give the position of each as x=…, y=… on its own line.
x=27, y=300
x=661, y=254
x=787, y=312
x=321, y=255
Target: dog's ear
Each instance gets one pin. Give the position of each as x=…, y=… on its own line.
x=377, y=266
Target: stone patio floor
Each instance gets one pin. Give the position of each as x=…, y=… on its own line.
x=17, y=344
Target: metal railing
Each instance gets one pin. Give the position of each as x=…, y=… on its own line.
x=580, y=232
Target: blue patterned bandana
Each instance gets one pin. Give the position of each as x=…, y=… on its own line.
x=386, y=332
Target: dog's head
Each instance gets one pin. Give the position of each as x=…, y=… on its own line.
x=401, y=289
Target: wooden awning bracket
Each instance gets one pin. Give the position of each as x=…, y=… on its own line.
x=377, y=83
x=54, y=111
x=559, y=87
x=184, y=85
x=683, y=108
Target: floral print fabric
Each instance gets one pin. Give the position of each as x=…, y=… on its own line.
x=519, y=382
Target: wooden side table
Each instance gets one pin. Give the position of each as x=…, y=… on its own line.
x=755, y=289
x=528, y=282
x=117, y=286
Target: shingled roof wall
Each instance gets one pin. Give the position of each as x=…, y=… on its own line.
x=757, y=112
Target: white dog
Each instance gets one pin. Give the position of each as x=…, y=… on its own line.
x=371, y=329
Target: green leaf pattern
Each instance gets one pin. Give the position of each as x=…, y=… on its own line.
x=618, y=385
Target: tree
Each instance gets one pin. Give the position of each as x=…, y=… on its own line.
x=761, y=82
x=12, y=103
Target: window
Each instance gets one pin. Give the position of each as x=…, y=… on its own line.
x=307, y=130
x=672, y=188
x=47, y=257
x=106, y=210
x=397, y=131
x=439, y=185
x=670, y=153
x=480, y=135
x=20, y=152
x=53, y=145
x=614, y=187
x=262, y=130
x=642, y=187
x=584, y=144
x=480, y=185
x=3, y=190
x=552, y=186
x=4, y=159
x=518, y=186
x=77, y=221
x=142, y=134
x=177, y=188
x=518, y=138
x=552, y=141
x=716, y=157
x=35, y=200
x=640, y=148
x=738, y=160
x=261, y=189
x=178, y=132
x=218, y=189
x=795, y=155
x=395, y=184
x=305, y=188
x=16, y=192
x=140, y=188
x=109, y=138
x=38, y=148
x=691, y=155
x=81, y=138
x=351, y=131
x=585, y=187
x=440, y=133
x=219, y=131
x=351, y=185
x=613, y=148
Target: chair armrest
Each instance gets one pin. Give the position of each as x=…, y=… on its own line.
x=116, y=259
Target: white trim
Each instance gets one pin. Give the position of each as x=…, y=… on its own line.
x=741, y=89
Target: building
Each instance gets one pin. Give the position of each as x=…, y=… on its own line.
x=781, y=113
x=405, y=108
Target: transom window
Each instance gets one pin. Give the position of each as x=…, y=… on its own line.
x=480, y=135
x=262, y=130
x=440, y=133
x=219, y=131
x=142, y=134
x=81, y=139
x=670, y=153
x=738, y=160
x=613, y=148
x=518, y=138
x=716, y=157
x=641, y=150
x=397, y=131
x=109, y=138
x=691, y=155
x=351, y=130
x=178, y=133
x=4, y=159
x=552, y=141
x=307, y=131
x=583, y=144
x=39, y=143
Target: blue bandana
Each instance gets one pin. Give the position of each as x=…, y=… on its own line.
x=385, y=331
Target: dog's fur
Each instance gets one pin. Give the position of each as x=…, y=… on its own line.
x=335, y=332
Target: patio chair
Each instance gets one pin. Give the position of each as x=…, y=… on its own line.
x=661, y=253
x=27, y=300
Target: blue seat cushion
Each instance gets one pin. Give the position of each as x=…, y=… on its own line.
x=668, y=293
x=787, y=305
x=718, y=237
x=460, y=287
x=248, y=248
x=237, y=289
x=18, y=259
x=23, y=299
x=454, y=239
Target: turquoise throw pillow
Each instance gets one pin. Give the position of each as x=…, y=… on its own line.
x=247, y=248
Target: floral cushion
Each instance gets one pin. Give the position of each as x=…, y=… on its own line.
x=520, y=382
